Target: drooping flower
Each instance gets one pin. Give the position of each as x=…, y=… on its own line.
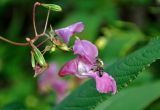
x=67, y=32
x=50, y=81
x=38, y=69
x=86, y=65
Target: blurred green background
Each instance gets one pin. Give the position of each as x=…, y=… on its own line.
x=117, y=27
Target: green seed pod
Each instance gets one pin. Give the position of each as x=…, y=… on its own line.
x=33, y=60
x=52, y=7
x=38, y=55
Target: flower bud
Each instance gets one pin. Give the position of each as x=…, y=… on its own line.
x=53, y=48
x=64, y=47
x=52, y=7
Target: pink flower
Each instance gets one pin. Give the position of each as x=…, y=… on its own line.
x=39, y=69
x=67, y=32
x=87, y=65
x=50, y=81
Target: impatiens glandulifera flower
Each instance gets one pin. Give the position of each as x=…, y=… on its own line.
x=67, y=32
x=88, y=65
x=49, y=80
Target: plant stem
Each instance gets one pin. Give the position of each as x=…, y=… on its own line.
x=42, y=42
x=14, y=43
x=37, y=37
x=46, y=21
x=33, y=17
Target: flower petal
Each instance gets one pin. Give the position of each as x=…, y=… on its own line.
x=52, y=70
x=64, y=33
x=105, y=83
x=69, y=68
x=61, y=87
x=50, y=74
x=77, y=27
x=39, y=69
x=47, y=78
x=83, y=69
x=67, y=32
x=86, y=50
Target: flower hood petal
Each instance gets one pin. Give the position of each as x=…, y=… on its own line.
x=69, y=68
x=86, y=50
x=50, y=74
x=67, y=32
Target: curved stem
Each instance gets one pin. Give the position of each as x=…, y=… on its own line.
x=33, y=17
x=46, y=21
x=14, y=43
x=37, y=36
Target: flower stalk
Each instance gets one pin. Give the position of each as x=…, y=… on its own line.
x=12, y=42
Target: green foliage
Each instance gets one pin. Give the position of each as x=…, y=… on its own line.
x=121, y=39
x=124, y=71
x=135, y=98
x=154, y=105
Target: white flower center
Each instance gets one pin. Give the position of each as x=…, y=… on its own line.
x=82, y=70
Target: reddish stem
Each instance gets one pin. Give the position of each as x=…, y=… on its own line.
x=37, y=36
x=33, y=17
x=46, y=21
x=14, y=43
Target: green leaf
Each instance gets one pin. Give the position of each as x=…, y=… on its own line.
x=154, y=105
x=52, y=7
x=132, y=98
x=124, y=71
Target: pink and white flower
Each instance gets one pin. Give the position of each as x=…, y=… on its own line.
x=83, y=66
